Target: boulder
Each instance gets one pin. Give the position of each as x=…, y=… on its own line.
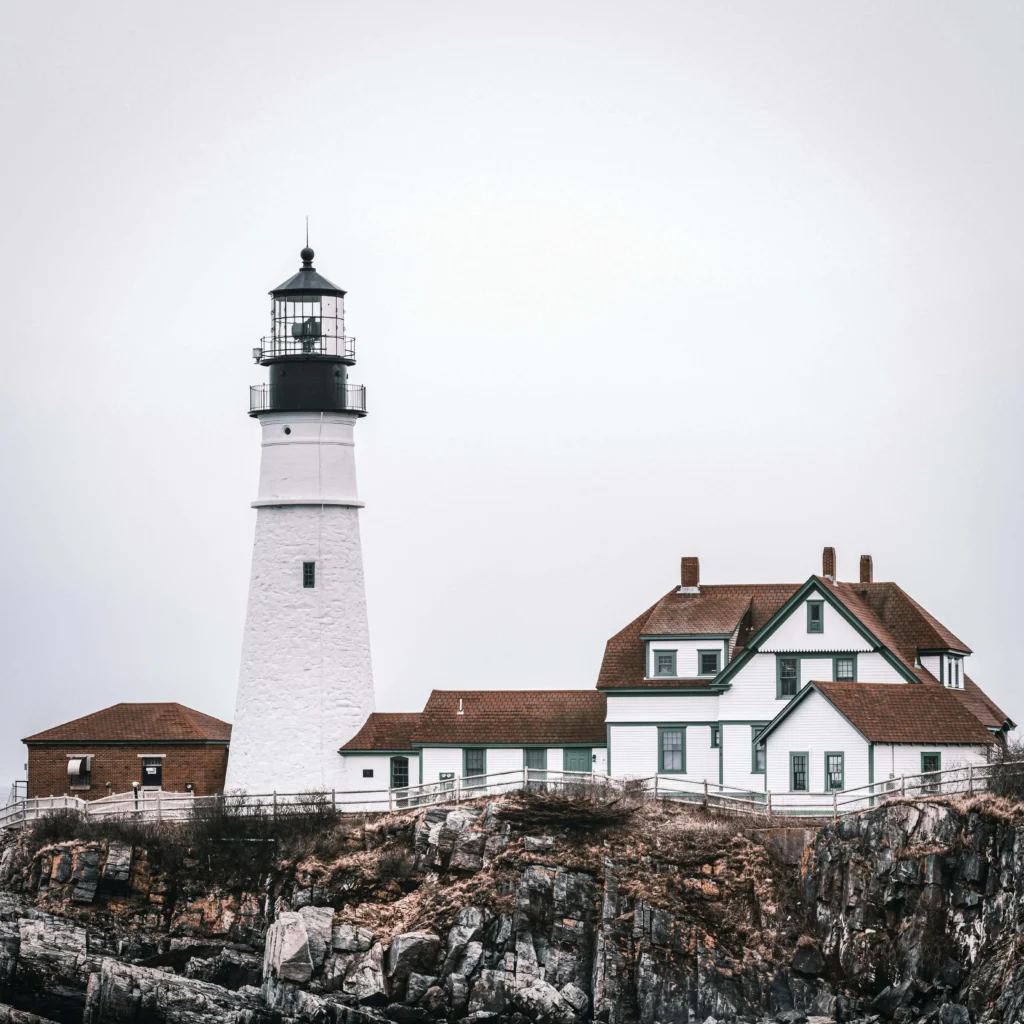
x=577, y=999
x=456, y=991
x=492, y=992
x=287, y=956
x=409, y=952
x=416, y=986
x=468, y=854
x=434, y=1002
x=536, y=844
x=954, y=1013
x=541, y=1001
x=350, y=938
x=319, y=931
x=117, y=868
x=808, y=960
x=364, y=981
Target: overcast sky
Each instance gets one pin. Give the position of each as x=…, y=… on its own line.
x=629, y=282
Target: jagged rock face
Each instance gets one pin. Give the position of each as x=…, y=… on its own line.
x=919, y=903
x=451, y=914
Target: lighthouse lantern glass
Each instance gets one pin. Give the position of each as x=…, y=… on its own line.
x=308, y=324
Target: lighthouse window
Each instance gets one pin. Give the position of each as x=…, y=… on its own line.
x=309, y=574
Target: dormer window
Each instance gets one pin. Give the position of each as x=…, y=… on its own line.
x=708, y=663
x=953, y=671
x=664, y=663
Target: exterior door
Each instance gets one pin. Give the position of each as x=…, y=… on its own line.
x=577, y=759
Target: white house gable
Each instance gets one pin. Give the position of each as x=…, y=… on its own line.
x=815, y=625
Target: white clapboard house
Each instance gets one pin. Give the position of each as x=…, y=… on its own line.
x=788, y=688
x=800, y=688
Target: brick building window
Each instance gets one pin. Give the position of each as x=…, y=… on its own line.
x=153, y=772
x=80, y=772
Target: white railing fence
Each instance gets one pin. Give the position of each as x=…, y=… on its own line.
x=158, y=806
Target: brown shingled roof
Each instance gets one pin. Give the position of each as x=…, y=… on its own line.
x=138, y=723
x=513, y=716
x=905, y=713
x=385, y=731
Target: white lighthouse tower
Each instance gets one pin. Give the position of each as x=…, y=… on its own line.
x=305, y=685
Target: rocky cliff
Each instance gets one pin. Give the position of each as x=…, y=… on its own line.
x=537, y=912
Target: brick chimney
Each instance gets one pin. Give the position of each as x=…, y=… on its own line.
x=867, y=569
x=689, y=574
x=828, y=564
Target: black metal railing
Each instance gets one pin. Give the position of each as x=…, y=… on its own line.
x=339, y=398
x=274, y=347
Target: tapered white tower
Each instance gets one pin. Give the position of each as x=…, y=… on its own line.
x=305, y=685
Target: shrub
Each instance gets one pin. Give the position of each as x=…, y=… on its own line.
x=1007, y=778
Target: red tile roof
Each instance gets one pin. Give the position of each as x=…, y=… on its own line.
x=513, y=716
x=130, y=723
x=385, y=731
x=906, y=713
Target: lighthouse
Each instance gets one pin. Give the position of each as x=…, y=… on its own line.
x=305, y=684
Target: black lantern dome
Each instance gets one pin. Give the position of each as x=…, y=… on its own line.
x=307, y=350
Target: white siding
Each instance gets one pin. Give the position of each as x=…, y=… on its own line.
x=441, y=759
x=601, y=764
x=352, y=780
x=792, y=635
x=678, y=707
x=813, y=728
x=737, y=757
x=752, y=694
x=816, y=670
x=701, y=757
x=931, y=664
x=686, y=655
x=634, y=750
x=504, y=759
x=873, y=668
x=895, y=759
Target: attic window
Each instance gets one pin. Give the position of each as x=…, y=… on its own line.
x=664, y=663
x=707, y=663
x=815, y=616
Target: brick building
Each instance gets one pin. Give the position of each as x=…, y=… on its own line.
x=154, y=746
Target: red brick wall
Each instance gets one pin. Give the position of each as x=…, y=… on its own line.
x=120, y=765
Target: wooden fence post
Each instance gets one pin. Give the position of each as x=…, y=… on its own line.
x=769, y=803
x=334, y=800
x=705, y=794
x=275, y=805
x=835, y=806
x=970, y=780
x=903, y=785
x=655, y=785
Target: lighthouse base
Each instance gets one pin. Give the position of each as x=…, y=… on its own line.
x=305, y=685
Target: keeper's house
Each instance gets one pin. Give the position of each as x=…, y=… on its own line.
x=469, y=733
x=152, y=746
x=795, y=688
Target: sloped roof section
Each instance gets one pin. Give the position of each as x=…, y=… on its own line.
x=385, y=731
x=905, y=713
x=551, y=717
x=127, y=723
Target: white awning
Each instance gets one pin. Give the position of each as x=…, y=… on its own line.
x=75, y=765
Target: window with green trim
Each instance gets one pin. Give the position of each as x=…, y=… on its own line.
x=815, y=616
x=474, y=761
x=846, y=669
x=672, y=748
x=716, y=736
x=664, y=663
x=535, y=757
x=799, y=782
x=835, y=770
x=788, y=677
x=708, y=663
x=758, y=753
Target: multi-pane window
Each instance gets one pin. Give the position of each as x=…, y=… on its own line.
x=664, y=663
x=309, y=574
x=399, y=772
x=815, y=616
x=789, y=676
x=798, y=773
x=671, y=753
x=833, y=772
x=716, y=735
x=845, y=670
x=707, y=663
x=79, y=773
x=152, y=771
x=535, y=757
x=474, y=761
x=758, y=757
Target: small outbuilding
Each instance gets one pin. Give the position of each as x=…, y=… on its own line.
x=152, y=746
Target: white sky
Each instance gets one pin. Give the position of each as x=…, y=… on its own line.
x=630, y=281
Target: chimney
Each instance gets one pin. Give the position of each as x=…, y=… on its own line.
x=867, y=569
x=689, y=575
x=828, y=564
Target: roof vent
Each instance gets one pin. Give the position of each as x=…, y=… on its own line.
x=828, y=564
x=689, y=575
x=460, y=711
x=867, y=569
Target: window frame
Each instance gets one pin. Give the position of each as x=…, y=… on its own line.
x=715, y=652
x=841, y=754
x=756, y=728
x=391, y=771
x=309, y=575
x=835, y=667
x=535, y=768
x=670, y=727
x=465, y=765
x=931, y=753
x=367, y=773
x=716, y=737
x=674, y=654
x=819, y=627
x=83, y=780
x=805, y=754
x=159, y=765
x=779, y=659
